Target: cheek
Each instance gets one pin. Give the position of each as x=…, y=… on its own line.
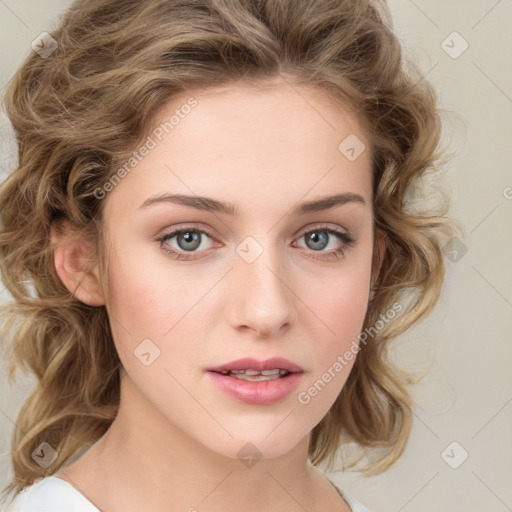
x=347, y=305
x=344, y=315
x=341, y=299
x=153, y=302
x=342, y=309
x=144, y=289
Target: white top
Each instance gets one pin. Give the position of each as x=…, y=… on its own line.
x=52, y=494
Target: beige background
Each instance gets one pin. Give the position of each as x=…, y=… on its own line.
x=467, y=397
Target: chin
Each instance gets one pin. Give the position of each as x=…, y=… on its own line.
x=267, y=442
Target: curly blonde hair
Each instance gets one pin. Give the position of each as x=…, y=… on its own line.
x=80, y=111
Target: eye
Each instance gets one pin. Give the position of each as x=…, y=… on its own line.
x=188, y=240
x=318, y=238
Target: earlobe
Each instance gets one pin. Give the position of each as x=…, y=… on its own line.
x=74, y=265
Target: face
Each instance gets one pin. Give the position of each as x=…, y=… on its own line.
x=265, y=276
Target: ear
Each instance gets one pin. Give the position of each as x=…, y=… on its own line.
x=75, y=264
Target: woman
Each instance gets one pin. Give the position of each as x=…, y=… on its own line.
x=213, y=203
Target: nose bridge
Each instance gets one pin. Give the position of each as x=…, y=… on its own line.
x=263, y=300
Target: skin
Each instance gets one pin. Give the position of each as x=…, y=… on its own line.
x=173, y=445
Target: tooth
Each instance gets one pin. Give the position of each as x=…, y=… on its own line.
x=252, y=372
x=270, y=372
x=255, y=378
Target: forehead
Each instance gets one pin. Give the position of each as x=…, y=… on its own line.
x=271, y=111
x=243, y=142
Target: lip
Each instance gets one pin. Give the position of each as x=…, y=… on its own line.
x=258, y=392
x=248, y=363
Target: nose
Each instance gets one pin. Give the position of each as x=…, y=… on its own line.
x=263, y=301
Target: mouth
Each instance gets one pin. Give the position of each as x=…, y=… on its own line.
x=257, y=382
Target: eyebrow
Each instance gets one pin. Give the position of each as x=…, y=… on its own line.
x=209, y=204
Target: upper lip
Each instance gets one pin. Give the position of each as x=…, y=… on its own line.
x=253, y=364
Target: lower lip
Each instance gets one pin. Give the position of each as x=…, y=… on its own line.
x=263, y=392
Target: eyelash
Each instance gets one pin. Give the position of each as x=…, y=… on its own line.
x=347, y=240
